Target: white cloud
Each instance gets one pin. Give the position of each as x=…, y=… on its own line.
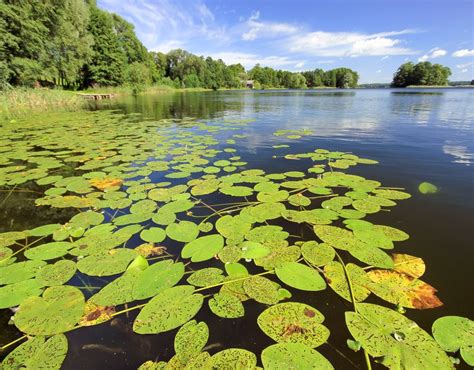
x=299, y=65
x=325, y=61
x=385, y=57
x=157, y=20
x=463, y=53
x=464, y=70
x=249, y=60
x=343, y=44
x=378, y=71
x=253, y=28
x=465, y=65
x=432, y=54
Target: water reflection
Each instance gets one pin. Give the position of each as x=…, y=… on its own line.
x=460, y=153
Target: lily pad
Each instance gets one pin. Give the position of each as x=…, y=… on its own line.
x=455, y=333
x=57, y=273
x=206, y=277
x=48, y=251
x=20, y=271
x=427, y=188
x=294, y=322
x=184, y=231
x=57, y=311
x=203, y=248
x=410, y=265
x=153, y=235
x=158, y=277
x=404, y=290
x=318, y=254
x=107, y=263
x=168, y=310
x=261, y=289
x=233, y=358
x=190, y=340
x=300, y=276
x=337, y=280
x=401, y=342
x=227, y=306
x=293, y=356
x=14, y=294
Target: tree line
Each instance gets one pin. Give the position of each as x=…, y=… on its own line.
x=421, y=74
x=76, y=45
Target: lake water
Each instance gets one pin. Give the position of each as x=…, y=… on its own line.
x=416, y=135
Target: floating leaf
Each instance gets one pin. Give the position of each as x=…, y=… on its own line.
x=107, y=263
x=318, y=254
x=251, y=250
x=337, y=280
x=95, y=314
x=366, y=206
x=203, y=248
x=13, y=294
x=427, y=188
x=153, y=235
x=227, y=306
x=261, y=289
x=398, y=288
x=293, y=356
x=392, y=233
x=20, y=271
x=294, y=322
x=38, y=354
x=230, y=254
x=205, y=277
x=158, y=277
x=401, y=342
x=455, y=333
x=233, y=358
x=168, y=310
x=184, y=231
x=410, y=265
x=106, y=183
x=48, y=251
x=119, y=291
x=190, y=340
x=300, y=276
x=44, y=230
x=59, y=309
x=57, y=273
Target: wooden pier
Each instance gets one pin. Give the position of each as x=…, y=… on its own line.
x=96, y=96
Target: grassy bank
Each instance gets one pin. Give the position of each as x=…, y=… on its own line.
x=20, y=101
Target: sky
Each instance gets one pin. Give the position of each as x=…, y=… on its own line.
x=373, y=37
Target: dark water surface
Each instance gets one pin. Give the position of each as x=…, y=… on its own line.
x=416, y=135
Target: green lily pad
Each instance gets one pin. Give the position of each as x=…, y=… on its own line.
x=158, y=277
x=227, y=306
x=401, y=342
x=184, y=231
x=261, y=289
x=190, y=340
x=57, y=273
x=293, y=356
x=153, y=235
x=233, y=358
x=206, y=277
x=427, y=188
x=203, y=248
x=107, y=263
x=37, y=353
x=20, y=271
x=12, y=295
x=318, y=254
x=57, y=311
x=119, y=291
x=44, y=230
x=49, y=251
x=300, y=276
x=455, y=333
x=294, y=322
x=168, y=310
x=337, y=280
x=251, y=250
x=233, y=227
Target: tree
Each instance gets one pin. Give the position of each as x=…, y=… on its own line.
x=423, y=73
x=138, y=77
x=108, y=62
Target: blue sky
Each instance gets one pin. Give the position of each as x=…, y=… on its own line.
x=371, y=36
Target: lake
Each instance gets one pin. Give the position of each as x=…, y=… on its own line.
x=416, y=135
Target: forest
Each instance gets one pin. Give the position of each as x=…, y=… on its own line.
x=75, y=45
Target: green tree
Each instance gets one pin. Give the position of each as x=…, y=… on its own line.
x=138, y=77
x=108, y=62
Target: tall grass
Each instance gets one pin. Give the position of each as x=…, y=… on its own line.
x=19, y=101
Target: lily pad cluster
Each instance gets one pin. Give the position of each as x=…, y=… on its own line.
x=148, y=229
